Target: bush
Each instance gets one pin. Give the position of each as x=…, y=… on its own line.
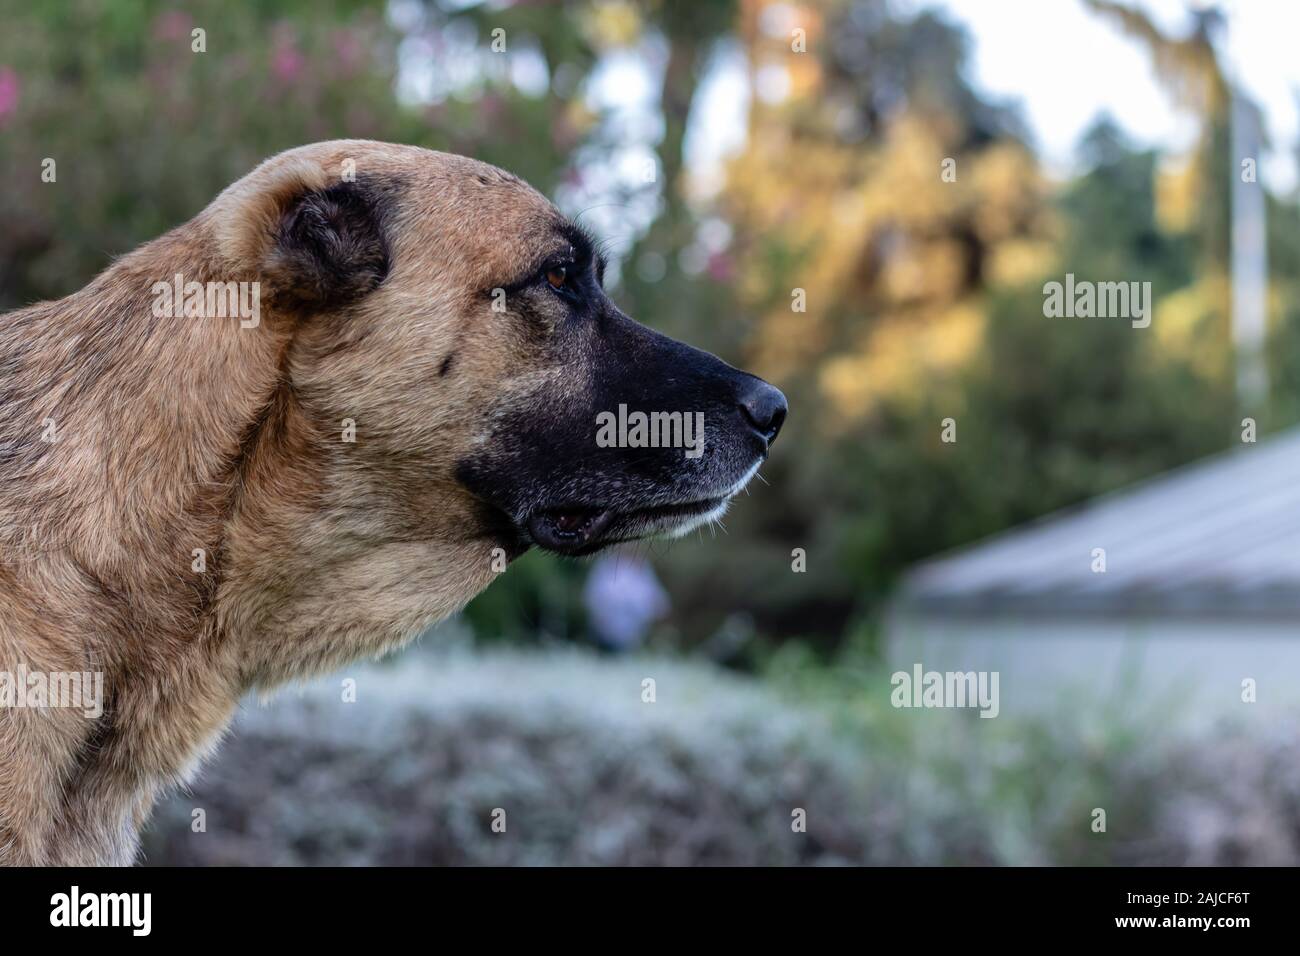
x=1234, y=802
x=710, y=773
x=586, y=772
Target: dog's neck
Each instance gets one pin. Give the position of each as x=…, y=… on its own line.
x=313, y=578
x=168, y=519
x=169, y=457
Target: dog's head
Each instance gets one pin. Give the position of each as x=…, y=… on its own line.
x=457, y=321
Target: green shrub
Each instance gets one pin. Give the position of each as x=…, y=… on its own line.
x=711, y=773
x=586, y=772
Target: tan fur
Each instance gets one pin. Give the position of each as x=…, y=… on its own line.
x=185, y=433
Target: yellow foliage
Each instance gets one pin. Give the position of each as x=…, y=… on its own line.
x=1018, y=261
x=1007, y=190
x=613, y=23
x=1178, y=198
x=902, y=182
x=933, y=269
x=1189, y=327
x=788, y=342
x=873, y=229
x=902, y=357
x=579, y=116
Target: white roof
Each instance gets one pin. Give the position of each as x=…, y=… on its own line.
x=1221, y=534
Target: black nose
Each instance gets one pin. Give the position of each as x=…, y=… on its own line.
x=764, y=406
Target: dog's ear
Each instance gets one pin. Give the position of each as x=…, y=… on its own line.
x=314, y=241
x=329, y=247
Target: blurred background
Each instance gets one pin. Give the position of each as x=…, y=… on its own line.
x=860, y=201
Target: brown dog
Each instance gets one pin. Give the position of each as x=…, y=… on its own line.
x=208, y=487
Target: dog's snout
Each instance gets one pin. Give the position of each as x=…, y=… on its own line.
x=764, y=407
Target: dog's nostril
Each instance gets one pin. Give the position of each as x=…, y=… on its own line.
x=778, y=419
x=764, y=406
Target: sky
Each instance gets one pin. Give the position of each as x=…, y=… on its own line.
x=1065, y=65
x=1062, y=65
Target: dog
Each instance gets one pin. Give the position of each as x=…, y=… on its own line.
x=393, y=393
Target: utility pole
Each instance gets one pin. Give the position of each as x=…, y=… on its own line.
x=1249, y=242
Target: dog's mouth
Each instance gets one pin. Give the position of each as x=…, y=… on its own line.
x=569, y=530
x=578, y=530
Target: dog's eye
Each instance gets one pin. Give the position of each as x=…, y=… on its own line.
x=557, y=276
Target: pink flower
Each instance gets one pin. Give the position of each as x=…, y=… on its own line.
x=172, y=25
x=348, y=51
x=720, y=267
x=287, y=62
x=8, y=93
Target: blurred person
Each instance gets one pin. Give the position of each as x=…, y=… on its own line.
x=623, y=598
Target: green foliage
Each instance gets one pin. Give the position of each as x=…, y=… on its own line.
x=585, y=771
x=837, y=192
x=710, y=773
x=145, y=131
x=538, y=600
